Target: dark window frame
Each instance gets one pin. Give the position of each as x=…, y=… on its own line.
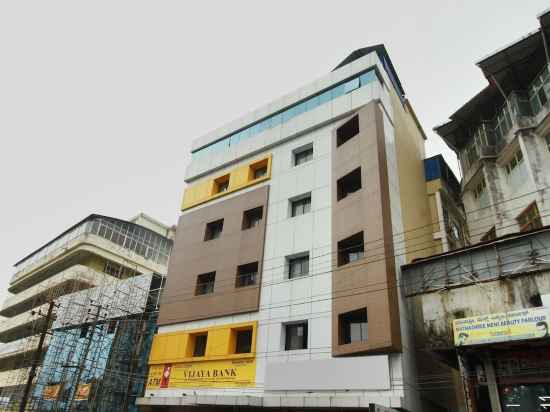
x=530, y=218
x=302, y=155
x=347, y=131
x=351, y=249
x=347, y=320
x=302, y=260
x=252, y=218
x=289, y=327
x=243, y=340
x=349, y=184
x=246, y=275
x=299, y=205
x=205, y=284
x=213, y=230
x=200, y=341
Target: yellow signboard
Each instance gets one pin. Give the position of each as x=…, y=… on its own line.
x=236, y=373
x=51, y=392
x=522, y=324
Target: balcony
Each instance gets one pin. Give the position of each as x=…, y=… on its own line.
x=21, y=346
x=14, y=377
x=97, y=234
x=75, y=278
x=522, y=109
x=23, y=325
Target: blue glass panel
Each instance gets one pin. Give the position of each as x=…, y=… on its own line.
x=276, y=120
x=325, y=97
x=254, y=130
x=245, y=134
x=300, y=108
x=337, y=91
x=264, y=125
x=367, y=77
x=234, y=139
x=312, y=103
x=351, y=85
x=288, y=114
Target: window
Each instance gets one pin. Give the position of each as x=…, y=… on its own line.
x=205, y=283
x=243, y=341
x=353, y=326
x=252, y=217
x=221, y=184
x=199, y=348
x=529, y=219
x=258, y=170
x=303, y=155
x=112, y=327
x=347, y=131
x=348, y=184
x=298, y=266
x=536, y=300
x=247, y=275
x=84, y=331
x=490, y=235
x=351, y=249
x=296, y=336
x=213, y=230
x=300, y=206
x=548, y=141
x=113, y=269
x=479, y=189
x=515, y=162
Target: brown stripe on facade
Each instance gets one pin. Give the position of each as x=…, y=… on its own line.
x=364, y=276
x=204, y=252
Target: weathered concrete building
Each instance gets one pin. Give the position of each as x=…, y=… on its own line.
x=484, y=310
x=502, y=138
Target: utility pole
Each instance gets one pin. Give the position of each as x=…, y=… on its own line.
x=36, y=359
x=84, y=356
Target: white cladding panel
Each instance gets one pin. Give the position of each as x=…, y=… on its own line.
x=358, y=373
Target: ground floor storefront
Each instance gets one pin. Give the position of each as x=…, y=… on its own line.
x=506, y=377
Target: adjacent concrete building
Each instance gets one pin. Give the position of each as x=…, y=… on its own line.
x=484, y=310
x=93, y=252
x=282, y=290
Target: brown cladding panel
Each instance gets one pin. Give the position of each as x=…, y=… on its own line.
x=193, y=256
x=370, y=282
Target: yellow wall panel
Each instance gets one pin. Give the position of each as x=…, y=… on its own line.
x=240, y=177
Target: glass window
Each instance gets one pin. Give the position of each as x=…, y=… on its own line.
x=303, y=155
x=252, y=217
x=530, y=218
x=296, y=336
x=301, y=206
x=247, y=275
x=205, y=284
x=347, y=131
x=351, y=85
x=213, y=230
x=548, y=141
x=353, y=326
x=525, y=397
x=312, y=103
x=351, y=249
x=338, y=91
x=367, y=77
x=298, y=266
x=243, y=341
x=276, y=120
x=260, y=172
x=325, y=97
x=348, y=184
x=200, y=344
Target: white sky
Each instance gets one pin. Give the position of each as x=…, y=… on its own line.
x=99, y=100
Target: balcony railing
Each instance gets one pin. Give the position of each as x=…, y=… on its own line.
x=141, y=241
x=518, y=110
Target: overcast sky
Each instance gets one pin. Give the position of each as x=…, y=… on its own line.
x=99, y=101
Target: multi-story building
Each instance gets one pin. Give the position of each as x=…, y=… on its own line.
x=485, y=309
x=94, y=251
x=502, y=138
x=282, y=290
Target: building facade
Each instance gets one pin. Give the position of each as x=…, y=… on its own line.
x=95, y=251
x=502, y=138
x=484, y=310
x=281, y=290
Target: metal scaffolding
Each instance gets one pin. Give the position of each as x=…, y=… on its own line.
x=89, y=352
